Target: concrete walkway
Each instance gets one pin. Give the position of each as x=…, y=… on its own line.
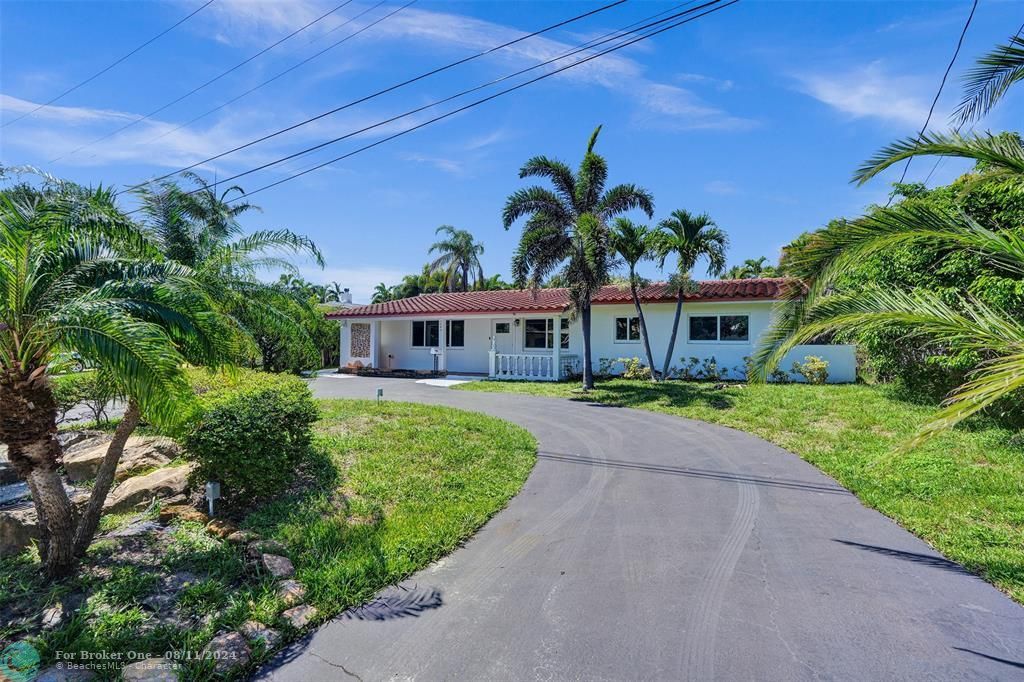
x=649, y=547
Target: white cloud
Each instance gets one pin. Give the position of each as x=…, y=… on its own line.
x=721, y=188
x=869, y=92
x=447, y=165
x=722, y=85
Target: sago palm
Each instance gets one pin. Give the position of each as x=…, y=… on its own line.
x=688, y=237
x=77, y=275
x=458, y=258
x=567, y=230
x=632, y=243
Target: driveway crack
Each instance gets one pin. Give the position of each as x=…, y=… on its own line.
x=336, y=665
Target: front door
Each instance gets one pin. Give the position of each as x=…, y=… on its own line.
x=501, y=335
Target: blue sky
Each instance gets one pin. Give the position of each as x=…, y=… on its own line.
x=756, y=114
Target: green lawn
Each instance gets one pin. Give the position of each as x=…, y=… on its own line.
x=963, y=492
x=391, y=488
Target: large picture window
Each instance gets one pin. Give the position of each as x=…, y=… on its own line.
x=719, y=328
x=539, y=334
x=627, y=329
x=425, y=333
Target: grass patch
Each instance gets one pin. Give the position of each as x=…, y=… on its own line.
x=962, y=492
x=388, y=489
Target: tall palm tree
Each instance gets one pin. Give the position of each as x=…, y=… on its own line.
x=567, y=229
x=632, y=242
x=381, y=293
x=689, y=238
x=332, y=293
x=458, y=257
x=76, y=274
x=996, y=335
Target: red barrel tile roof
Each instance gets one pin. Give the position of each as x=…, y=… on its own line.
x=557, y=300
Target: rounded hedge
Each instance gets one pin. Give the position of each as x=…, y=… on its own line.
x=251, y=432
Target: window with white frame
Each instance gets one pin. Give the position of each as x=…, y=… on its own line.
x=719, y=327
x=539, y=333
x=627, y=329
x=425, y=333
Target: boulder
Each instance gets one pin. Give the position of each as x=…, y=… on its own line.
x=242, y=537
x=229, y=651
x=300, y=616
x=291, y=592
x=254, y=631
x=19, y=526
x=277, y=566
x=151, y=670
x=221, y=528
x=140, y=453
x=139, y=491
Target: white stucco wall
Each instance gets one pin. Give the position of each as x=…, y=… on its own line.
x=396, y=350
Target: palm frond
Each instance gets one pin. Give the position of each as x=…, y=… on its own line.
x=1000, y=151
x=989, y=80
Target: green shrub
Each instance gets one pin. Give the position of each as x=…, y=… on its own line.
x=93, y=389
x=813, y=369
x=251, y=433
x=633, y=368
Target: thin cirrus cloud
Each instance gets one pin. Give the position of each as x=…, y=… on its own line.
x=869, y=91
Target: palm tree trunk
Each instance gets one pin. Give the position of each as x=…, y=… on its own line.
x=672, y=338
x=588, y=365
x=52, y=503
x=643, y=326
x=105, y=479
x=465, y=278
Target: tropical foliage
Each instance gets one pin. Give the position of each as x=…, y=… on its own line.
x=688, y=238
x=633, y=243
x=458, y=258
x=566, y=229
x=752, y=268
x=976, y=320
x=77, y=275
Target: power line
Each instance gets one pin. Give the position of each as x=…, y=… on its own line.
x=714, y=7
x=582, y=48
x=938, y=93
x=960, y=125
x=384, y=91
x=294, y=66
x=204, y=85
x=112, y=65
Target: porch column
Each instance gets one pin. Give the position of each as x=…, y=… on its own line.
x=442, y=342
x=344, y=343
x=374, y=343
x=556, y=352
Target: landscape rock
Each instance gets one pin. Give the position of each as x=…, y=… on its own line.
x=18, y=524
x=55, y=674
x=167, y=593
x=277, y=566
x=242, y=537
x=229, y=651
x=151, y=670
x=221, y=528
x=61, y=612
x=139, y=491
x=135, y=529
x=81, y=438
x=140, y=453
x=300, y=616
x=181, y=512
x=291, y=592
x=254, y=630
x=256, y=549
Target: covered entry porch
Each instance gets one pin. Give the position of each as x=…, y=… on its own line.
x=532, y=347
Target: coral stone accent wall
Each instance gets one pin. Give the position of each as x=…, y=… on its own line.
x=360, y=345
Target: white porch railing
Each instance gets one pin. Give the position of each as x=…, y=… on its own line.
x=521, y=366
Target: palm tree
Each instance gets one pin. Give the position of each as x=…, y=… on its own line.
x=78, y=275
x=632, y=242
x=381, y=293
x=567, y=229
x=332, y=293
x=995, y=335
x=458, y=257
x=689, y=238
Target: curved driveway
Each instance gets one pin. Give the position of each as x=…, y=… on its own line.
x=645, y=546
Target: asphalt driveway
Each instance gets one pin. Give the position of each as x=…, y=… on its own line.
x=649, y=547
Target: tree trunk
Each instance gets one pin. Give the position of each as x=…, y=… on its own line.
x=104, y=480
x=465, y=278
x=643, y=326
x=588, y=365
x=672, y=338
x=28, y=425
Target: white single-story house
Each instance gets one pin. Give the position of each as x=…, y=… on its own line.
x=528, y=334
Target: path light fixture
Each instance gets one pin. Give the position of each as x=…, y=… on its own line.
x=212, y=493
x=380, y=395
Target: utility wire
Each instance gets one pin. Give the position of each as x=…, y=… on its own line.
x=960, y=125
x=938, y=93
x=614, y=35
x=294, y=66
x=204, y=85
x=112, y=65
x=386, y=90
x=714, y=7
